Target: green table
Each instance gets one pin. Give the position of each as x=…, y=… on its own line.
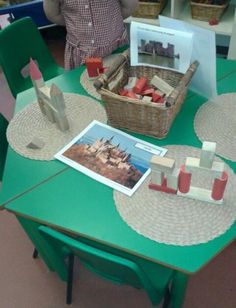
x=22, y=174
x=70, y=201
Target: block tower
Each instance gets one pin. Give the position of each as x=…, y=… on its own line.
x=51, y=100
x=167, y=178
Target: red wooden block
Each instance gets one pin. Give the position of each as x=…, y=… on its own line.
x=184, y=180
x=163, y=187
x=219, y=187
x=123, y=92
x=102, y=70
x=131, y=94
x=140, y=84
x=161, y=101
x=155, y=97
x=93, y=66
x=148, y=92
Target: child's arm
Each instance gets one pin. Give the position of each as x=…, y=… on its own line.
x=128, y=7
x=53, y=12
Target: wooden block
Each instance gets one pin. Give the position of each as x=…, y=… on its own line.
x=173, y=179
x=161, y=85
x=93, y=66
x=148, y=91
x=131, y=94
x=157, y=177
x=131, y=83
x=140, y=85
x=147, y=99
x=123, y=92
x=164, y=164
x=219, y=187
x=200, y=194
x=62, y=121
x=193, y=163
x=162, y=188
x=184, y=180
x=155, y=97
x=36, y=144
x=207, y=154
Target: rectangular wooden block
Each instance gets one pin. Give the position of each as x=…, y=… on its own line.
x=173, y=179
x=200, y=194
x=207, y=154
x=161, y=85
x=147, y=99
x=162, y=163
x=157, y=177
x=193, y=163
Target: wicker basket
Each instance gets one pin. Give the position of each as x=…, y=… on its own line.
x=135, y=115
x=207, y=12
x=149, y=9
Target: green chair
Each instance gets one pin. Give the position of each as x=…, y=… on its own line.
x=3, y=143
x=155, y=279
x=20, y=41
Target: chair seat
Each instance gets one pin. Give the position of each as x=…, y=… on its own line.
x=112, y=264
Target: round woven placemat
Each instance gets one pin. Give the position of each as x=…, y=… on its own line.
x=30, y=123
x=173, y=219
x=88, y=83
x=216, y=121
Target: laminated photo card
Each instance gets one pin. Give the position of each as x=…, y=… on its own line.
x=110, y=156
x=204, y=51
x=155, y=46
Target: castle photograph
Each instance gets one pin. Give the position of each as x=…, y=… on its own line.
x=158, y=53
x=107, y=159
x=154, y=46
x=110, y=156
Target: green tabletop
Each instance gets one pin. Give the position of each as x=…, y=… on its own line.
x=22, y=174
x=74, y=202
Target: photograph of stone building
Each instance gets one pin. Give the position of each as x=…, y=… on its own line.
x=110, y=156
x=158, y=53
x=107, y=159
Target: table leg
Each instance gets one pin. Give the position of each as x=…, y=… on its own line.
x=178, y=288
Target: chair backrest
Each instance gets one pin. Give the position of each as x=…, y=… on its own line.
x=111, y=266
x=3, y=143
x=20, y=41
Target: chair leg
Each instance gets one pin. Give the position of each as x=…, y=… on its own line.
x=35, y=253
x=166, y=302
x=70, y=279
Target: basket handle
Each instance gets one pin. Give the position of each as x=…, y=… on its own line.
x=116, y=65
x=184, y=81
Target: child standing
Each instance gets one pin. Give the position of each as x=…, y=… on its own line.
x=94, y=27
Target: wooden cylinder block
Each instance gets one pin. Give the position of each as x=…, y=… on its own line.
x=219, y=187
x=184, y=180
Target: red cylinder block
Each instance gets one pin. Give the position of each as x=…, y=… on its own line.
x=219, y=187
x=93, y=66
x=184, y=180
x=140, y=84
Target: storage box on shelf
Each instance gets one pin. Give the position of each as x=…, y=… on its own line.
x=137, y=115
x=208, y=10
x=149, y=8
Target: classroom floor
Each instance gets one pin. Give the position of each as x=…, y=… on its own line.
x=26, y=282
